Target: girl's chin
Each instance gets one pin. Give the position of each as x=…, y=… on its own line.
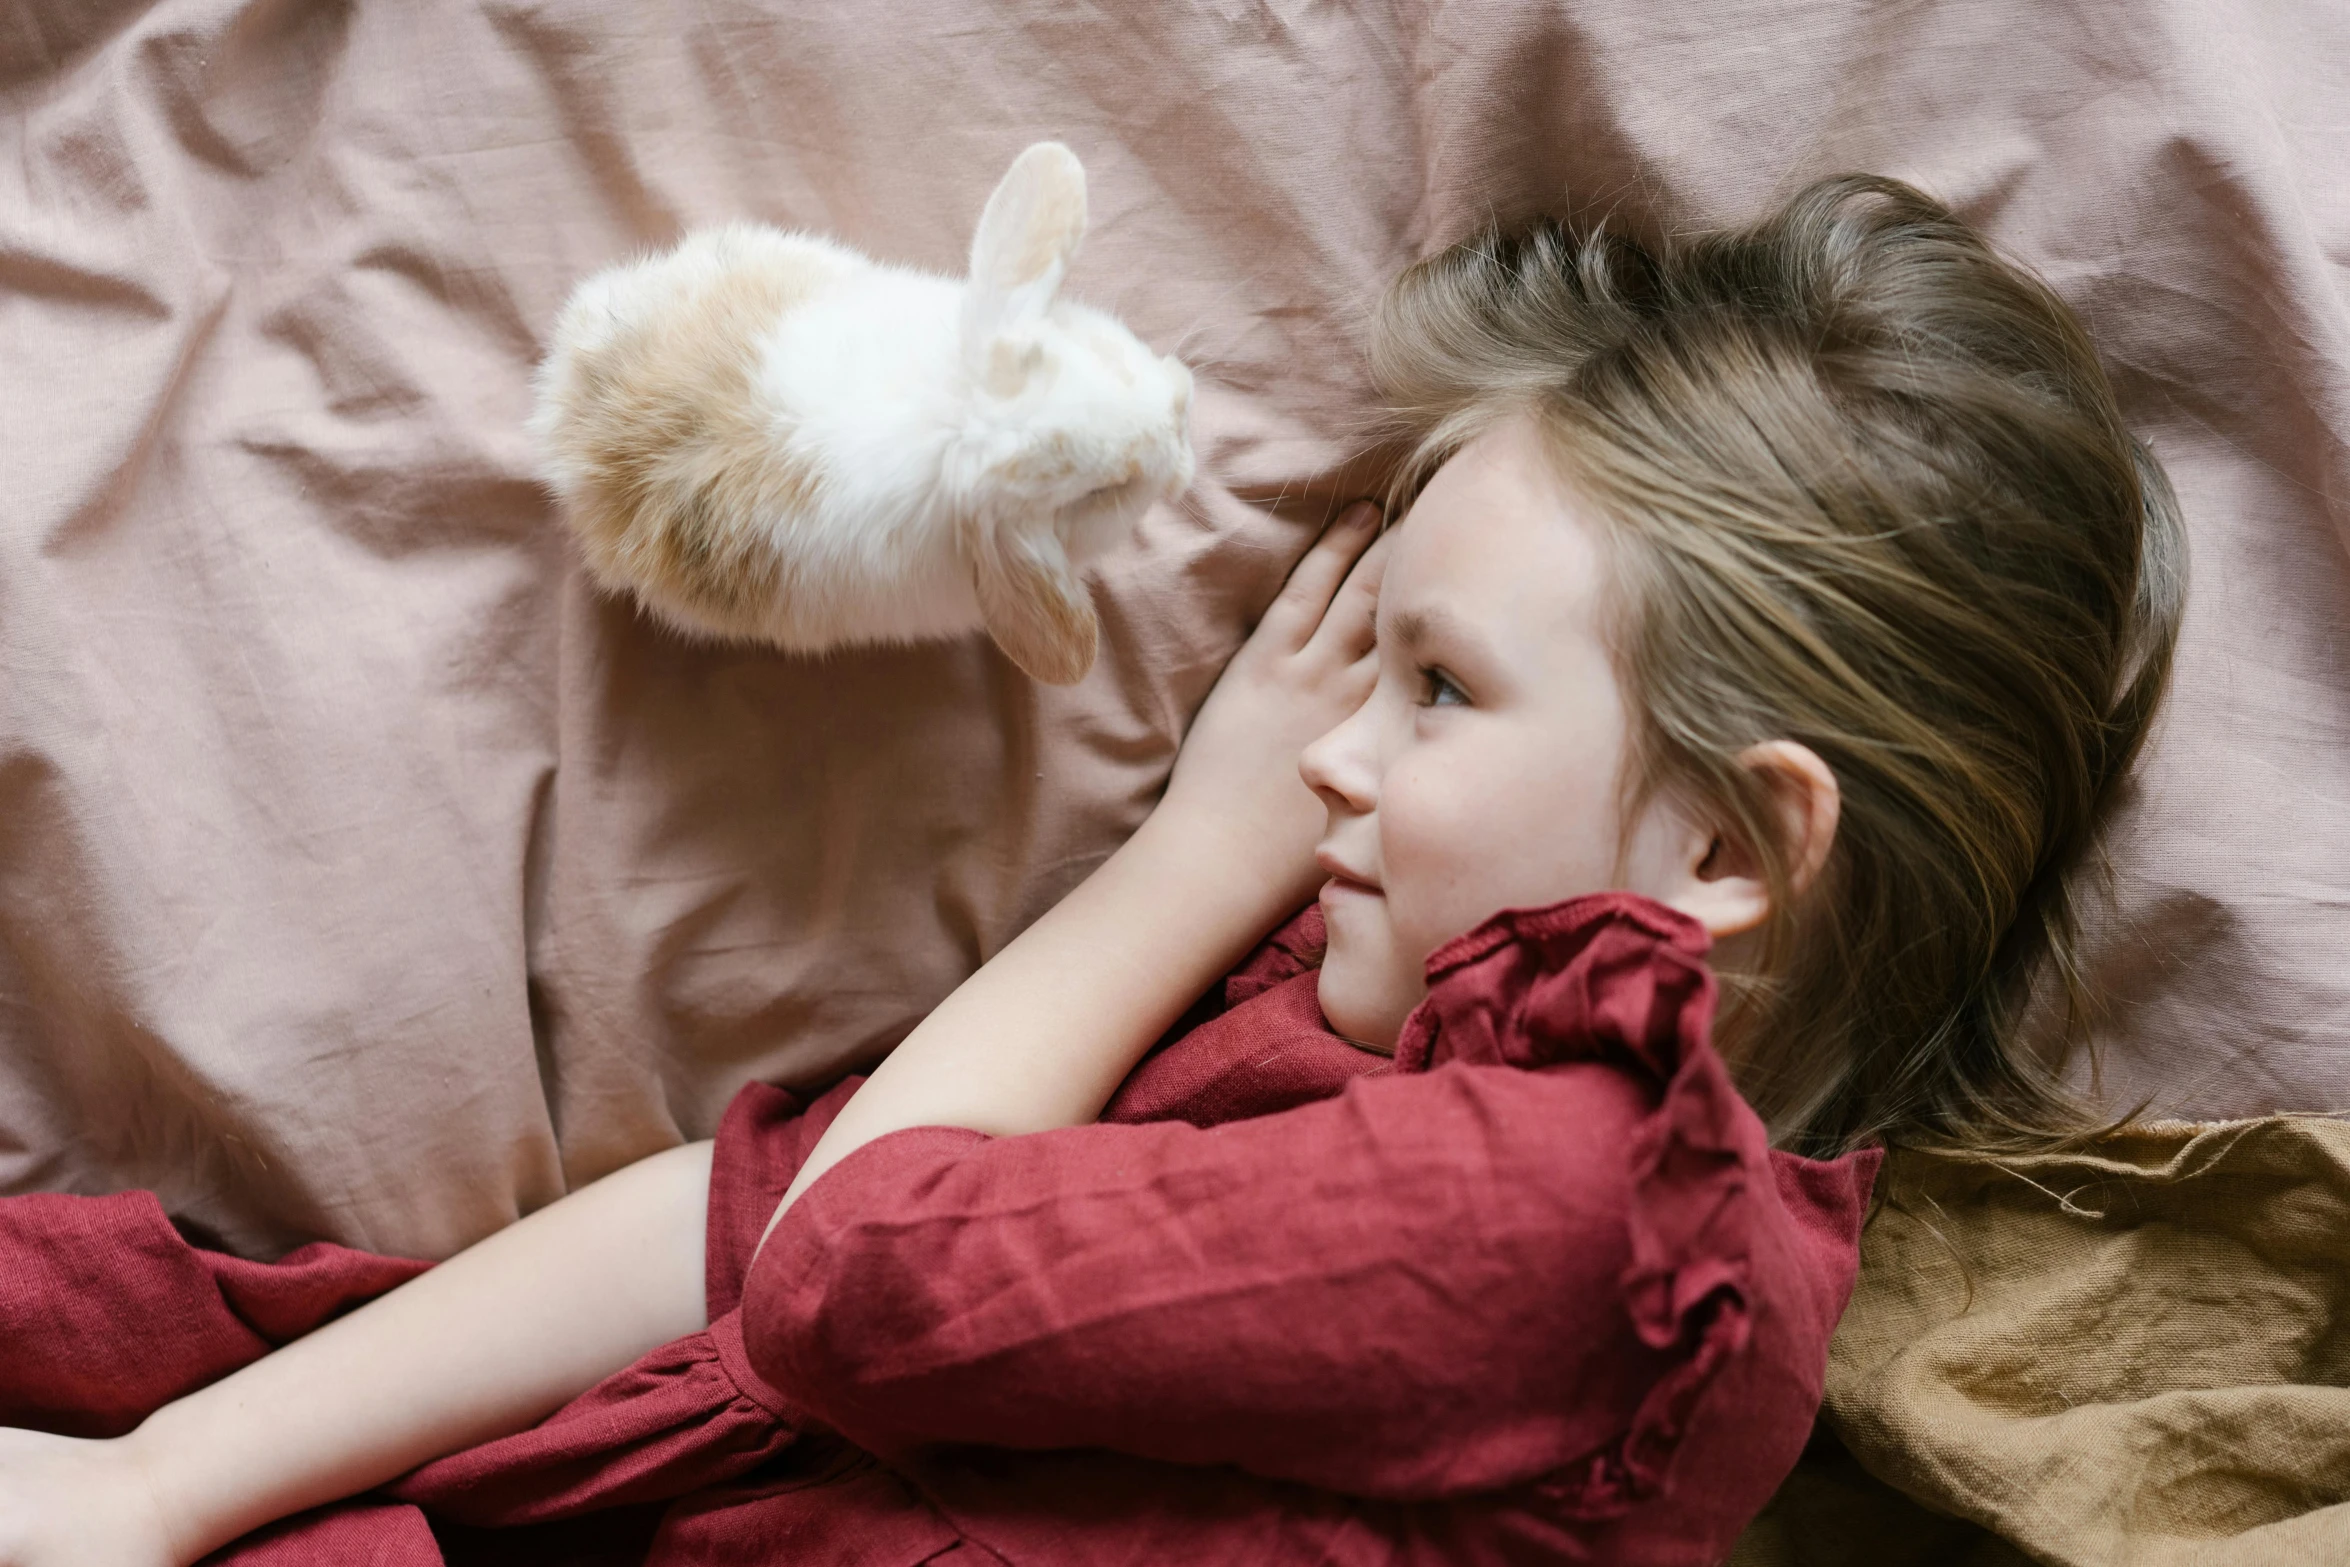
x=1358, y=1006
x=1338, y=1010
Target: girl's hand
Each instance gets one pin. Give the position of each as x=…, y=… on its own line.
x=70, y=1503
x=1303, y=670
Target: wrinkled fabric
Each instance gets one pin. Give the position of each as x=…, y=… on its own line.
x=1534, y=1291
x=367, y=879
x=2132, y=1355
x=107, y=1311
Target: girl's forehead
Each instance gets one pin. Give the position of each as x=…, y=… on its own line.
x=1495, y=540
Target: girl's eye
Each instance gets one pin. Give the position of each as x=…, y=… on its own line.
x=1439, y=691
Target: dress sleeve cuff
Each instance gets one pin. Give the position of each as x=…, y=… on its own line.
x=689, y=1414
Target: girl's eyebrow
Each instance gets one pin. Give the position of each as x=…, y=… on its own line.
x=1464, y=648
x=1412, y=628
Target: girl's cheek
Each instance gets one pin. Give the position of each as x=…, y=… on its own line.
x=1428, y=859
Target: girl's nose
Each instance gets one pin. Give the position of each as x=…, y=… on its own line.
x=1339, y=767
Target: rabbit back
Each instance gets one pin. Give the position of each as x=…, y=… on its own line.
x=698, y=479
x=764, y=435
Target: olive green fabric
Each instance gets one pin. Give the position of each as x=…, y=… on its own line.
x=2128, y=1356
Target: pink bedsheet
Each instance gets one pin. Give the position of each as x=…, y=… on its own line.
x=362, y=877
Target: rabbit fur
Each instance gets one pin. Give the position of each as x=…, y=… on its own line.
x=766, y=435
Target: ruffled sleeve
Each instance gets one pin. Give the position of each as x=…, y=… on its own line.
x=688, y=1415
x=1622, y=979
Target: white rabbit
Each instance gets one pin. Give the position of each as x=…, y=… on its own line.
x=766, y=435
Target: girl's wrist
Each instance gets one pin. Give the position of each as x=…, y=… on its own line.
x=146, y=1458
x=1267, y=853
x=143, y=1458
x=1248, y=875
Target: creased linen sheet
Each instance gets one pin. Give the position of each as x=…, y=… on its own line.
x=364, y=877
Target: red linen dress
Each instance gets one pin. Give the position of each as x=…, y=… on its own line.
x=1534, y=1291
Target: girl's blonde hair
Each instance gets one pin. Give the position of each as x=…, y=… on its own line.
x=1866, y=488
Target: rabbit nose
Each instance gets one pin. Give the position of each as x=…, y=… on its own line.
x=1182, y=388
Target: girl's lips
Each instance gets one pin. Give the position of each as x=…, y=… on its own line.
x=1340, y=884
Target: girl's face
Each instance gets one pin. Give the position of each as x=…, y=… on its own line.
x=1482, y=772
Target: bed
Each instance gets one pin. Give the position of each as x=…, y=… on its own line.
x=365, y=877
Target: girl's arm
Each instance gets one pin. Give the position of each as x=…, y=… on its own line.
x=483, y=1345
x=488, y=1343
x=1043, y=1034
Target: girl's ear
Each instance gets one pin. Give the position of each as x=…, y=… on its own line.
x=1026, y=236
x=1724, y=888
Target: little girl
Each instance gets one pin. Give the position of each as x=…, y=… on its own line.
x=1794, y=593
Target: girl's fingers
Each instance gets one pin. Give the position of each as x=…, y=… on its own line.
x=1346, y=625
x=1304, y=600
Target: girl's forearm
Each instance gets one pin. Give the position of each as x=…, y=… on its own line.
x=1043, y=1034
x=486, y=1344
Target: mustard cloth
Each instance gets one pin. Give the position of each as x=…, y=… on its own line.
x=2132, y=1355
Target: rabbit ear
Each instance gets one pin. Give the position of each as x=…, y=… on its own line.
x=1026, y=236
x=1031, y=600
